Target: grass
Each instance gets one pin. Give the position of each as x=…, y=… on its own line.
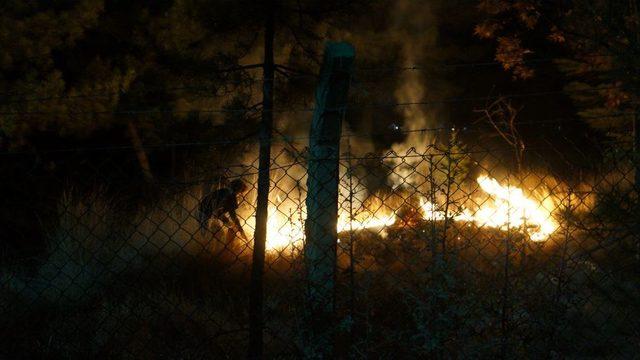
x=151, y=286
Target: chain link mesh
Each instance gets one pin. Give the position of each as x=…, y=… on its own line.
x=442, y=251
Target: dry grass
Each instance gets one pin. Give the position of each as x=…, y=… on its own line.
x=150, y=286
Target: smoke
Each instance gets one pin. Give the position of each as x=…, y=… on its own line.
x=412, y=31
x=416, y=27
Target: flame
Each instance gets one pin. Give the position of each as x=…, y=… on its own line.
x=507, y=208
x=373, y=213
x=512, y=209
x=287, y=232
x=284, y=231
x=429, y=211
x=376, y=221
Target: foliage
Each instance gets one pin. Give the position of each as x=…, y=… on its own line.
x=68, y=65
x=594, y=43
x=75, y=68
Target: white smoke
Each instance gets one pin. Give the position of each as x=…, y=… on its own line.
x=414, y=22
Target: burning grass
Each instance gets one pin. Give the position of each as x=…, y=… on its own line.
x=411, y=283
x=491, y=205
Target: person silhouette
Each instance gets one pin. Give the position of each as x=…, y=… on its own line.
x=221, y=205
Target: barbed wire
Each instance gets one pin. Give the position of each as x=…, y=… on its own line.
x=222, y=83
x=291, y=140
x=20, y=97
x=472, y=64
x=311, y=109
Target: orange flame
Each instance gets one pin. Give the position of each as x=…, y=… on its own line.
x=508, y=208
x=512, y=209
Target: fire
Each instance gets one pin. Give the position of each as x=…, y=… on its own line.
x=430, y=212
x=284, y=231
x=507, y=208
x=287, y=232
x=512, y=209
x=376, y=221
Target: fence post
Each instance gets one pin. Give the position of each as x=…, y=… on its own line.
x=636, y=172
x=256, y=321
x=322, y=197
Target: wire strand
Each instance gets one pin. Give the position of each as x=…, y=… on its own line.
x=311, y=109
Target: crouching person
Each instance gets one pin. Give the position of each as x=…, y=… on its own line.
x=220, y=206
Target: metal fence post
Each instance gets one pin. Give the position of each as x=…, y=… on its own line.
x=256, y=321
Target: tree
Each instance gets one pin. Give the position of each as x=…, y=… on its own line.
x=101, y=56
x=596, y=44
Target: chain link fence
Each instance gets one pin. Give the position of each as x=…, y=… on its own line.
x=453, y=249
